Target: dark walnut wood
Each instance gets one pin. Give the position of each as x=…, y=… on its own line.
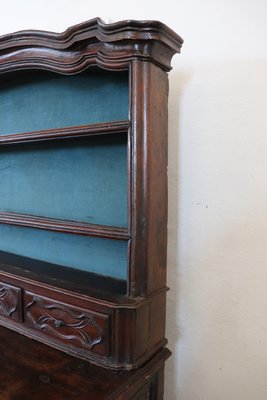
x=93, y=42
x=102, y=321
x=31, y=370
x=51, y=224
x=132, y=329
x=19, y=269
x=66, y=133
x=68, y=324
x=10, y=302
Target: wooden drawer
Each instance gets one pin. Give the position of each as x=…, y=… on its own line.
x=71, y=326
x=10, y=302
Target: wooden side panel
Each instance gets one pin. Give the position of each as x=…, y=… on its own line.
x=142, y=330
x=149, y=177
x=157, y=319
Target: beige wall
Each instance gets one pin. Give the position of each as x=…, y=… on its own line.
x=217, y=306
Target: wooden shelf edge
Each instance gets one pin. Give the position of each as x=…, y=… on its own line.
x=56, y=225
x=66, y=133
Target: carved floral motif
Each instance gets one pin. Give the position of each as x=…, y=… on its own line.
x=64, y=323
x=8, y=300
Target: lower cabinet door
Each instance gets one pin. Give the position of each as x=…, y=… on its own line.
x=68, y=325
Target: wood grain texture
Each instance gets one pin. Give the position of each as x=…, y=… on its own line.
x=149, y=177
x=32, y=370
x=95, y=30
x=110, y=46
x=56, y=225
x=10, y=302
x=66, y=133
x=129, y=331
x=89, y=331
x=122, y=323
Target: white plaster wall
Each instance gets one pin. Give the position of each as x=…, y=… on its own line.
x=217, y=306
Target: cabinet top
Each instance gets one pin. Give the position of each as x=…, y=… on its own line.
x=111, y=46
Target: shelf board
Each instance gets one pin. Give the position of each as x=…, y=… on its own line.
x=66, y=278
x=58, y=225
x=66, y=133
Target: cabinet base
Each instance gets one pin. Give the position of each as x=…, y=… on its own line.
x=30, y=369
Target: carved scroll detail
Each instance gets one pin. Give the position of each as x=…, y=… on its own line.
x=64, y=323
x=8, y=300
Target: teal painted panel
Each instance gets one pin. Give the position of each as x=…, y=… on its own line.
x=83, y=180
x=102, y=256
x=43, y=100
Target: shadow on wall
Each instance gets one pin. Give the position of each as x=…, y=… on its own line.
x=219, y=288
x=178, y=81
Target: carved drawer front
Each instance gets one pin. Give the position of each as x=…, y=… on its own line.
x=87, y=330
x=10, y=301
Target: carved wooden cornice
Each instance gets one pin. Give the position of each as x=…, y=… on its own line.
x=110, y=46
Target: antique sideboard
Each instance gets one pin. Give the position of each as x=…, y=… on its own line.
x=83, y=208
